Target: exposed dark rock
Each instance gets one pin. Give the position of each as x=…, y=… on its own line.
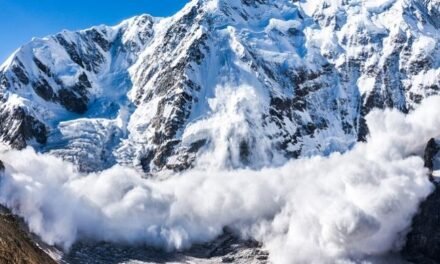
x=44, y=90
x=196, y=146
x=245, y=152
x=16, y=245
x=423, y=242
x=70, y=49
x=42, y=67
x=146, y=160
x=18, y=70
x=432, y=149
x=73, y=102
x=74, y=99
x=253, y=2
x=83, y=81
x=416, y=98
x=363, y=130
x=99, y=39
x=17, y=126
x=88, y=59
x=164, y=152
x=169, y=127
x=195, y=51
x=281, y=107
x=4, y=83
x=227, y=248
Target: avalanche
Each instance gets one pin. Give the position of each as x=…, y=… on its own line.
x=260, y=116
x=317, y=210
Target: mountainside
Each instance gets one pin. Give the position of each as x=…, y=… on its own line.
x=274, y=79
x=16, y=247
x=228, y=93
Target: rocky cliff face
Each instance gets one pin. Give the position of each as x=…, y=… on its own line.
x=71, y=80
x=16, y=245
x=225, y=249
x=297, y=77
x=423, y=242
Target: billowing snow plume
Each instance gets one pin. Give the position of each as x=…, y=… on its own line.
x=316, y=210
x=234, y=129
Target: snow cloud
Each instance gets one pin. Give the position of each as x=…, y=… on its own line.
x=314, y=210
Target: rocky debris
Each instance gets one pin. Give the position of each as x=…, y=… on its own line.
x=17, y=127
x=16, y=245
x=228, y=248
x=423, y=242
x=431, y=150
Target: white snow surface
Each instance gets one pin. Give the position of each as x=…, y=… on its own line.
x=138, y=84
x=210, y=74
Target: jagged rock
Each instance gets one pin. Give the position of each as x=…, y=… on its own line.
x=423, y=242
x=316, y=72
x=431, y=150
x=16, y=245
x=134, y=94
x=227, y=248
x=17, y=127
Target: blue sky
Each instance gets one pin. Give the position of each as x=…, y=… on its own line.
x=20, y=20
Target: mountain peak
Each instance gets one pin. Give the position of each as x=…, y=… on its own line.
x=240, y=10
x=225, y=85
x=153, y=91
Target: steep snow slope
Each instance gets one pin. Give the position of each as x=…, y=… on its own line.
x=70, y=91
x=256, y=81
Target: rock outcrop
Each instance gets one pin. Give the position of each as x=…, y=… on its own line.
x=298, y=76
x=423, y=242
x=225, y=249
x=16, y=245
x=274, y=79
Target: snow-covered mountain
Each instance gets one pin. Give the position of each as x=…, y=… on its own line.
x=256, y=81
x=221, y=85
